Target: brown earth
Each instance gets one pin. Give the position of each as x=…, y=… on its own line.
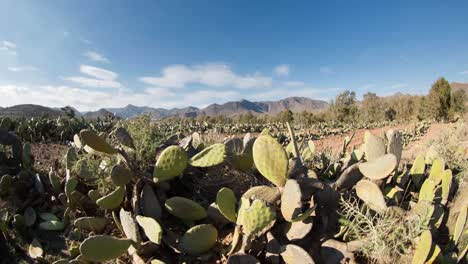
x=46, y=155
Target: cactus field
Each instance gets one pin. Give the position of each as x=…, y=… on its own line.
x=276, y=193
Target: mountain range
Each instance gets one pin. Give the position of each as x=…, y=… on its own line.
x=295, y=104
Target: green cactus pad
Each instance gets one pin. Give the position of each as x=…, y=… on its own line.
x=52, y=225
x=171, y=163
x=27, y=157
x=185, y=209
x=374, y=146
x=423, y=248
x=83, y=168
x=96, y=142
x=5, y=184
x=29, y=216
x=291, y=202
x=77, y=141
x=151, y=227
x=370, y=193
x=112, y=200
x=395, y=144
x=149, y=203
x=427, y=192
x=129, y=226
x=298, y=230
x=271, y=159
x=48, y=217
x=265, y=193
x=55, y=181
x=417, y=170
x=242, y=258
x=446, y=185
x=437, y=170
x=460, y=225
x=210, y=156
x=226, y=202
x=435, y=255
x=199, y=239
x=242, y=162
x=94, y=195
x=379, y=168
x=70, y=158
x=96, y=224
x=257, y=217
x=424, y=210
x=70, y=185
x=293, y=254
x=103, y=248
x=121, y=175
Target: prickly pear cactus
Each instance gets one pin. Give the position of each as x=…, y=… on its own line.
x=226, y=201
x=199, y=239
x=395, y=144
x=96, y=142
x=446, y=185
x=113, y=199
x=103, y=248
x=271, y=159
x=423, y=248
x=379, y=168
x=292, y=254
x=291, y=202
x=370, y=193
x=428, y=189
x=151, y=227
x=96, y=224
x=185, y=209
x=417, y=170
x=374, y=146
x=171, y=163
x=210, y=156
x=121, y=175
x=437, y=170
x=256, y=217
x=265, y=193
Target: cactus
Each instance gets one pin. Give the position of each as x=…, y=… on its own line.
x=103, y=248
x=291, y=202
x=271, y=160
x=96, y=224
x=374, y=146
x=210, y=156
x=171, y=163
x=292, y=254
x=370, y=193
x=129, y=226
x=96, y=142
x=70, y=158
x=94, y=195
x=417, y=170
x=55, y=181
x=151, y=227
x=27, y=157
x=242, y=258
x=199, y=239
x=256, y=217
x=35, y=249
x=437, y=170
x=112, y=200
x=435, y=256
x=427, y=192
x=52, y=225
x=121, y=175
x=29, y=216
x=149, y=203
x=460, y=225
x=424, y=210
x=379, y=168
x=5, y=185
x=298, y=230
x=77, y=141
x=226, y=202
x=48, y=217
x=446, y=185
x=185, y=209
x=423, y=248
x=265, y=193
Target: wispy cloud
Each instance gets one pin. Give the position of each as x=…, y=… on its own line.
x=8, y=46
x=464, y=72
x=22, y=68
x=326, y=70
x=94, y=56
x=282, y=70
x=213, y=75
x=85, y=41
x=399, y=85
x=102, y=78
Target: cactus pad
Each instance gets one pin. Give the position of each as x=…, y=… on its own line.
x=370, y=193
x=291, y=202
x=427, y=192
x=423, y=248
x=149, y=203
x=460, y=224
x=265, y=193
x=379, y=168
x=417, y=170
x=374, y=146
x=52, y=225
x=437, y=170
x=171, y=163
x=96, y=224
x=96, y=142
x=395, y=144
x=446, y=185
x=185, y=209
x=271, y=159
x=121, y=175
x=226, y=202
x=256, y=217
x=293, y=254
x=210, y=156
x=112, y=200
x=199, y=239
x=103, y=248
x=151, y=227
x=129, y=226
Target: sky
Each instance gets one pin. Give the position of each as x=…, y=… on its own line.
x=176, y=53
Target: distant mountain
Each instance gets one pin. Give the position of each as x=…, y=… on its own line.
x=29, y=110
x=295, y=104
x=459, y=86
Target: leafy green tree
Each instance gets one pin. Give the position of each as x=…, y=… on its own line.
x=459, y=100
x=371, y=108
x=440, y=100
x=285, y=116
x=344, y=107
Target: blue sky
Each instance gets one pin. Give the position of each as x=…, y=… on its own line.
x=92, y=54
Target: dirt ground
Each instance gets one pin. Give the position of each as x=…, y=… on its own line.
x=46, y=155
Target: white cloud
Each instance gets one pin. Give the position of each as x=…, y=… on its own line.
x=94, y=56
x=8, y=46
x=326, y=70
x=464, y=72
x=102, y=78
x=215, y=75
x=399, y=85
x=282, y=70
x=22, y=68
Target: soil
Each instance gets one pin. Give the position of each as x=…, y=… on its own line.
x=47, y=155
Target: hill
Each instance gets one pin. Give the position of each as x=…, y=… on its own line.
x=459, y=86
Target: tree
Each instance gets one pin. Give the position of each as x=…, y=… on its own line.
x=344, y=107
x=372, y=108
x=390, y=114
x=459, y=99
x=440, y=100
x=285, y=116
